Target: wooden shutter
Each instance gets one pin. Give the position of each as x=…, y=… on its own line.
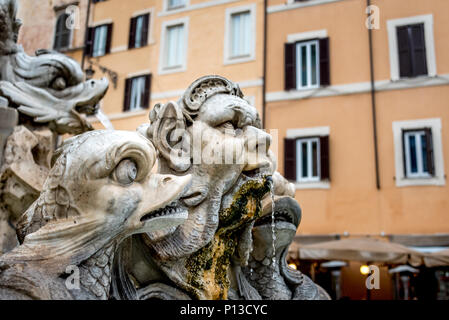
x=430, y=156
x=405, y=61
x=418, y=49
x=324, y=158
x=89, y=45
x=404, y=160
x=109, y=38
x=325, y=79
x=132, y=33
x=146, y=27
x=290, y=159
x=126, y=103
x=147, y=93
x=290, y=66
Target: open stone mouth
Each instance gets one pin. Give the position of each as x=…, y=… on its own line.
x=253, y=174
x=88, y=109
x=282, y=215
x=170, y=209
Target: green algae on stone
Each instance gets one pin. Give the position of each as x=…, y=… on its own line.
x=207, y=268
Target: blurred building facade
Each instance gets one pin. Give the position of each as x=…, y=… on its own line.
x=362, y=114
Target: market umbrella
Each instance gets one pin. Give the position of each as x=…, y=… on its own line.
x=437, y=259
x=360, y=249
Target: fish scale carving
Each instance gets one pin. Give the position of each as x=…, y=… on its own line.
x=96, y=272
x=55, y=203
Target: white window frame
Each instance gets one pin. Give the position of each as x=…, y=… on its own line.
x=166, y=6
x=308, y=45
x=303, y=133
x=401, y=179
x=421, y=173
x=163, y=69
x=228, y=58
x=392, y=25
x=299, y=158
x=58, y=14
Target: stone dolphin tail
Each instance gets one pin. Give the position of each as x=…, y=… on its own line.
x=100, y=191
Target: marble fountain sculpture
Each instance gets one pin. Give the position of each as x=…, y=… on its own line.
x=41, y=98
x=94, y=221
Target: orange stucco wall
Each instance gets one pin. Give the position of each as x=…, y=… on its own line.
x=352, y=203
x=204, y=49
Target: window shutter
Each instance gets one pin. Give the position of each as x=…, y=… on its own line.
x=404, y=161
x=89, y=45
x=430, y=157
x=146, y=27
x=419, y=49
x=127, y=94
x=324, y=158
x=290, y=159
x=405, y=62
x=147, y=93
x=325, y=79
x=290, y=66
x=132, y=33
x=109, y=38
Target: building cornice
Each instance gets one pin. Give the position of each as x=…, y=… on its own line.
x=290, y=5
x=360, y=87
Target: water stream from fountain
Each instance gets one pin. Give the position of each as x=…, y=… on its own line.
x=273, y=228
x=103, y=118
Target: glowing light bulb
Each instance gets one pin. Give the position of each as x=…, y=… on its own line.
x=293, y=266
x=364, y=270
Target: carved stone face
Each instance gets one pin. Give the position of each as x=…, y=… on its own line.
x=224, y=122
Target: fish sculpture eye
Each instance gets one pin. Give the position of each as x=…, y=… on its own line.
x=126, y=172
x=59, y=83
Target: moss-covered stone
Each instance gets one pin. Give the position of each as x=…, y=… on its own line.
x=208, y=268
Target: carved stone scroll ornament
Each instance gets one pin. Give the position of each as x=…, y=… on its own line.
x=99, y=191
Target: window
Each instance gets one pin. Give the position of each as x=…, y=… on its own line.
x=307, y=68
x=411, y=47
x=138, y=34
x=418, y=153
x=173, y=48
x=100, y=36
x=306, y=159
x=412, y=50
x=240, y=34
x=62, y=33
x=174, y=4
x=307, y=64
x=137, y=93
x=99, y=40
